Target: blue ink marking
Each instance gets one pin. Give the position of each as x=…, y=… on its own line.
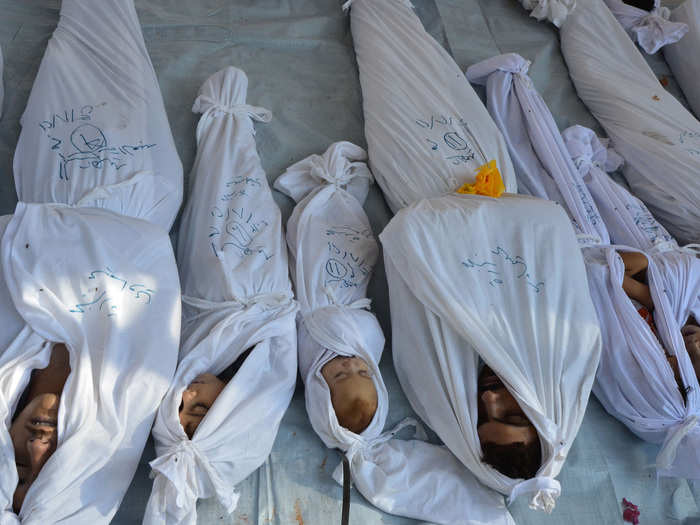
x=454, y=141
x=137, y=291
x=79, y=307
x=86, y=146
x=248, y=181
x=449, y=138
x=349, y=233
x=343, y=266
x=513, y=262
x=591, y=212
x=646, y=222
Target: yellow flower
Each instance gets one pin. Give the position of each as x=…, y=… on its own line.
x=488, y=182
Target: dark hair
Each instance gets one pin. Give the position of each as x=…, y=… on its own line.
x=646, y=5
x=516, y=460
x=357, y=416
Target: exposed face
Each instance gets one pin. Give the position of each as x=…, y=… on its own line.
x=197, y=399
x=501, y=420
x=349, y=380
x=691, y=338
x=34, y=436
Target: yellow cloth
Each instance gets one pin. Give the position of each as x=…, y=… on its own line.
x=488, y=182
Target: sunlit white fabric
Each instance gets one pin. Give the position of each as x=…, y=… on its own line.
x=681, y=56
x=95, y=132
x=237, y=295
x=427, y=131
x=474, y=277
x=106, y=286
x=333, y=254
x=658, y=138
x=650, y=29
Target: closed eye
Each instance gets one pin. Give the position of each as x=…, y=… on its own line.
x=199, y=410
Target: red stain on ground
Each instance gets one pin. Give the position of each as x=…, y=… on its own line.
x=297, y=513
x=323, y=463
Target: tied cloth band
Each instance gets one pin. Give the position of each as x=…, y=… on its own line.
x=546, y=490
x=360, y=444
x=349, y=3
x=185, y=467
x=667, y=455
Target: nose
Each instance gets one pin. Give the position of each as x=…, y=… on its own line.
x=493, y=401
x=188, y=395
x=38, y=451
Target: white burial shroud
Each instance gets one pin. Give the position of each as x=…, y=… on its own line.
x=106, y=286
x=474, y=277
x=95, y=132
x=237, y=296
x=658, y=138
x=634, y=381
x=682, y=56
x=652, y=30
x=333, y=255
x=419, y=111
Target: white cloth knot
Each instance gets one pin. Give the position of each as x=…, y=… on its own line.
x=545, y=491
x=674, y=436
x=266, y=300
x=207, y=105
x=361, y=445
x=189, y=472
x=654, y=30
x=555, y=11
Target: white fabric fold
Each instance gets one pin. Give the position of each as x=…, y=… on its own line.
x=555, y=11
x=333, y=253
x=237, y=296
x=650, y=29
x=107, y=287
x=681, y=55
x=78, y=137
x=461, y=272
x=415, y=100
x=658, y=138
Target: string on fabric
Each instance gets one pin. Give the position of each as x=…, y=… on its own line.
x=349, y=3
x=345, y=514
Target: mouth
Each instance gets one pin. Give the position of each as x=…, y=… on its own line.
x=43, y=422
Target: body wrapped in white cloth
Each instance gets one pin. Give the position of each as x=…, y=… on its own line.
x=658, y=138
x=444, y=318
x=418, y=106
x=95, y=132
x=681, y=56
x=106, y=286
x=333, y=253
x=650, y=29
x=473, y=277
x=634, y=380
x=237, y=297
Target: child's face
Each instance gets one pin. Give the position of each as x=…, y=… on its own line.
x=197, y=399
x=34, y=436
x=350, y=382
